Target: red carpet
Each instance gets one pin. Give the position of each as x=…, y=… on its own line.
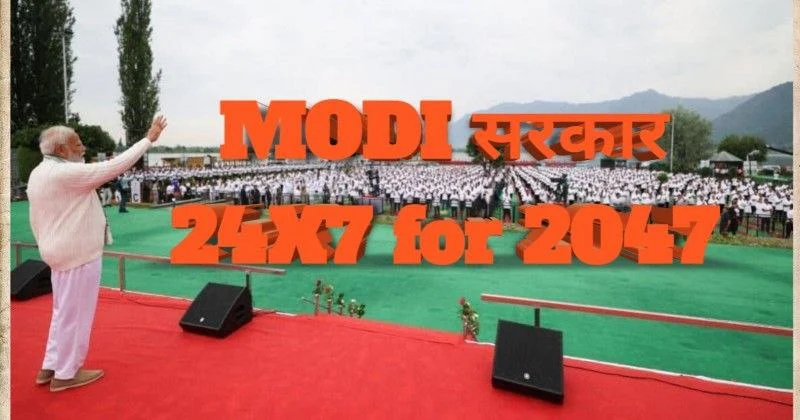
x=329, y=367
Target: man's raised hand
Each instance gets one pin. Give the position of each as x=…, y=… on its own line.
x=159, y=124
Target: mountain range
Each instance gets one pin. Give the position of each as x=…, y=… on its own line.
x=766, y=114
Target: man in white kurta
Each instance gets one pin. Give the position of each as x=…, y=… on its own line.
x=70, y=228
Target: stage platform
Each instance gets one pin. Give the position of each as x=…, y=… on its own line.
x=286, y=366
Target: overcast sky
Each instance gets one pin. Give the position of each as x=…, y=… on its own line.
x=476, y=53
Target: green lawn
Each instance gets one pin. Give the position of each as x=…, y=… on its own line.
x=735, y=283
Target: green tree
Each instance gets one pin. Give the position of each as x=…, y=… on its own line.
x=21, y=87
x=95, y=139
x=27, y=159
x=74, y=119
x=741, y=146
x=38, y=28
x=139, y=86
x=692, y=139
x=26, y=142
x=478, y=156
x=705, y=172
x=659, y=166
x=26, y=137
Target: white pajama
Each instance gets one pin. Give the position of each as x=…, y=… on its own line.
x=75, y=294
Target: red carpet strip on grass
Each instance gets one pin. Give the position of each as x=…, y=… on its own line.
x=329, y=367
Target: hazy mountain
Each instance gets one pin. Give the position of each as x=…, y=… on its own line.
x=648, y=101
x=767, y=115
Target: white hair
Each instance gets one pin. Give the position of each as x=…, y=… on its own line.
x=54, y=136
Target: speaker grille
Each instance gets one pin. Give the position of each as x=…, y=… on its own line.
x=529, y=359
x=218, y=310
x=30, y=279
x=212, y=305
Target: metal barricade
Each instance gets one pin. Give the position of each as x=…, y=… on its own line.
x=122, y=256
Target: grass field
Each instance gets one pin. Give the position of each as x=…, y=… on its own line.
x=735, y=283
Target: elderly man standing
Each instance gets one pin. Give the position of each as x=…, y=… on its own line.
x=70, y=229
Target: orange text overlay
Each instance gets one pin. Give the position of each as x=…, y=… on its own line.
x=592, y=234
x=394, y=130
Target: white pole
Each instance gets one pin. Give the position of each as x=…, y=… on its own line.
x=671, y=141
x=747, y=162
x=66, y=93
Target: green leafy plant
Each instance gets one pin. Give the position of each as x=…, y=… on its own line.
x=469, y=319
x=325, y=291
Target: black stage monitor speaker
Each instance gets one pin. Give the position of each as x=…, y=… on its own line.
x=218, y=310
x=529, y=360
x=30, y=279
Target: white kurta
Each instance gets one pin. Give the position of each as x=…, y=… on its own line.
x=68, y=223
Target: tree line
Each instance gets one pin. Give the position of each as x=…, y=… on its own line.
x=184, y=149
x=691, y=142
x=42, y=77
